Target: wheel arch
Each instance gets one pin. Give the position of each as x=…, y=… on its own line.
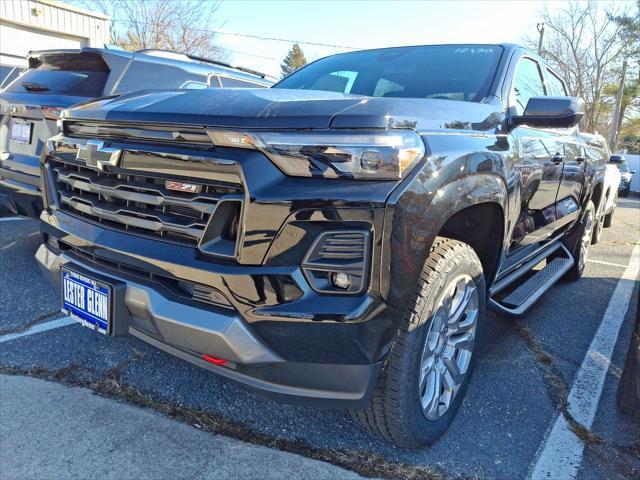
x=472, y=209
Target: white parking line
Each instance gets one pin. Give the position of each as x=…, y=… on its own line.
x=37, y=328
x=600, y=262
x=12, y=219
x=561, y=452
x=8, y=246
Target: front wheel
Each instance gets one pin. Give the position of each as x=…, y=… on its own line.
x=429, y=366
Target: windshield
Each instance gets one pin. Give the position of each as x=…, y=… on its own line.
x=448, y=72
x=623, y=167
x=78, y=74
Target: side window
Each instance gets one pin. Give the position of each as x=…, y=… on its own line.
x=556, y=86
x=335, y=82
x=527, y=83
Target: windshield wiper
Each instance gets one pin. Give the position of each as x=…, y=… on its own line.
x=34, y=87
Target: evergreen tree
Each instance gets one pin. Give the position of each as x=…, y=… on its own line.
x=293, y=61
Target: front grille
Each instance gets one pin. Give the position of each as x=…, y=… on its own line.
x=135, y=201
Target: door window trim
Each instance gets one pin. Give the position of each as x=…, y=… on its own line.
x=511, y=95
x=562, y=82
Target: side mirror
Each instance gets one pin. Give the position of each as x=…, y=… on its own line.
x=632, y=172
x=616, y=159
x=551, y=112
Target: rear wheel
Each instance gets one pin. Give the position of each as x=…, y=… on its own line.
x=597, y=231
x=608, y=218
x=599, y=224
x=582, y=241
x=429, y=366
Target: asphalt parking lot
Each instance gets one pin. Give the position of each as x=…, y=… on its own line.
x=524, y=374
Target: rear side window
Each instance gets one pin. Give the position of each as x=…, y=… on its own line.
x=555, y=85
x=527, y=83
x=76, y=74
x=228, y=82
x=149, y=75
x=8, y=73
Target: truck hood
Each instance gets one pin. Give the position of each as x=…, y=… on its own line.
x=281, y=108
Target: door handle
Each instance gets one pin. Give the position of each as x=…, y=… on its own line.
x=557, y=158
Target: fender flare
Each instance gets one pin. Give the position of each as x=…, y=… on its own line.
x=403, y=255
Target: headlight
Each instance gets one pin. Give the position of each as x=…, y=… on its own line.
x=385, y=155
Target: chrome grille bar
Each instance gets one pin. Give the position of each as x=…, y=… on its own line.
x=136, y=201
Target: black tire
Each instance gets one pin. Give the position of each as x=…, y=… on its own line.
x=625, y=193
x=579, y=241
x=395, y=410
x=608, y=218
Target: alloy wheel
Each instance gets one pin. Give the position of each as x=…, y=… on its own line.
x=585, y=241
x=448, y=346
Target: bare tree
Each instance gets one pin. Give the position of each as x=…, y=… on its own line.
x=584, y=45
x=186, y=26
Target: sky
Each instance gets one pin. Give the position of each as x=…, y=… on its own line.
x=368, y=24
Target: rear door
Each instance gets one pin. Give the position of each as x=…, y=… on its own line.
x=573, y=172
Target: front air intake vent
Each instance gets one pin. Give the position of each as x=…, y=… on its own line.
x=338, y=262
x=341, y=246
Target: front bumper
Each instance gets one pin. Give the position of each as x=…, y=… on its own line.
x=187, y=332
x=312, y=344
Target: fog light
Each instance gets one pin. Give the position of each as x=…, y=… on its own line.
x=341, y=280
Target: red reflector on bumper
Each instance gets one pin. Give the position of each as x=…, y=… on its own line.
x=214, y=360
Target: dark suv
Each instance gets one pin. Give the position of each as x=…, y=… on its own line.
x=335, y=239
x=57, y=79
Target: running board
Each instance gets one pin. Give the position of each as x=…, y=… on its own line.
x=518, y=301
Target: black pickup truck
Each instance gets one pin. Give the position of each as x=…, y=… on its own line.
x=335, y=239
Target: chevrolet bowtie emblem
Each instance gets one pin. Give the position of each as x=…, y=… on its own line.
x=95, y=154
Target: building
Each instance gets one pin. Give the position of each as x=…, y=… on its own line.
x=27, y=25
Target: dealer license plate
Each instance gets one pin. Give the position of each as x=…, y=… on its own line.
x=87, y=300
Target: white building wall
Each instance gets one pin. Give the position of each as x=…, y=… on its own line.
x=27, y=25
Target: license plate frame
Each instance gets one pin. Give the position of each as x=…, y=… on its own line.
x=74, y=288
x=21, y=132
